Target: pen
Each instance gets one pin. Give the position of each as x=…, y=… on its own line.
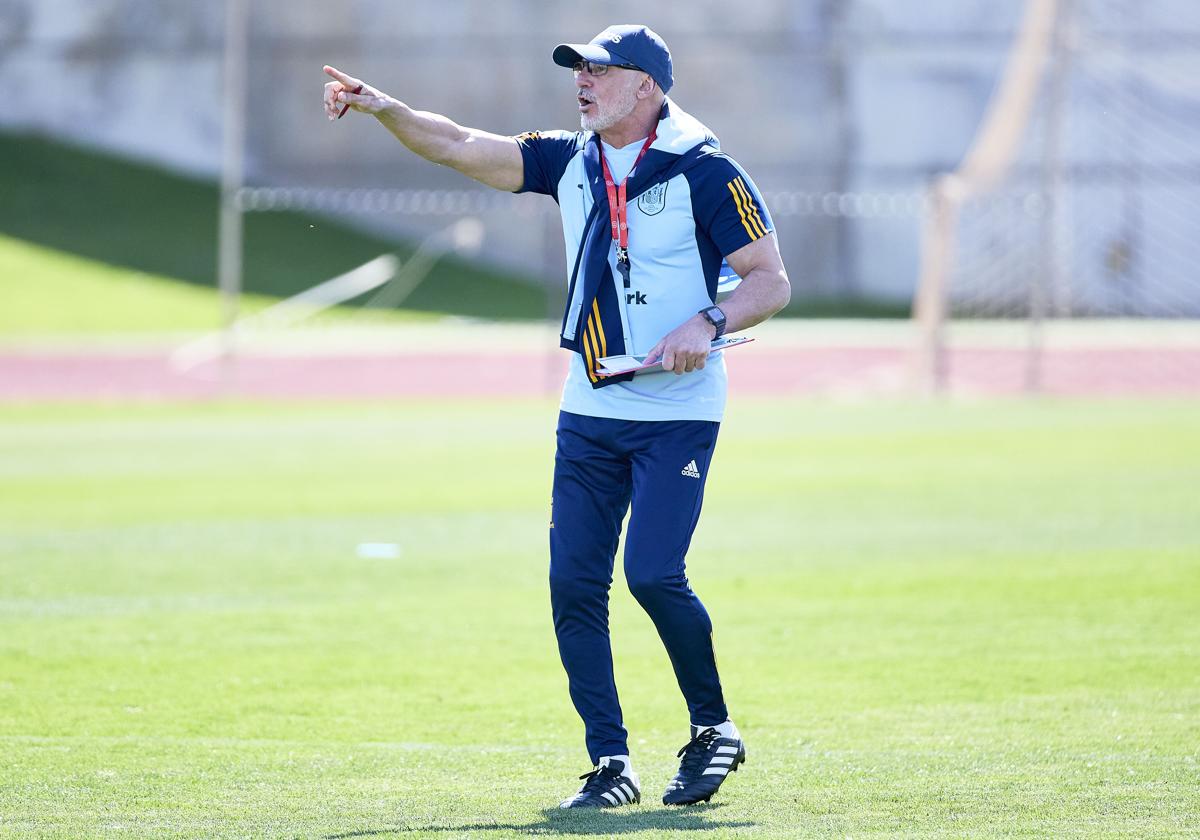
x=346, y=107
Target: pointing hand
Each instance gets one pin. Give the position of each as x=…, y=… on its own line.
x=342, y=92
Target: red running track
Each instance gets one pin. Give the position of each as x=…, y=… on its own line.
x=148, y=376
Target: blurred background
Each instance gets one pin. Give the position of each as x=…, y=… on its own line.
x=972, y=177
x=277, y=407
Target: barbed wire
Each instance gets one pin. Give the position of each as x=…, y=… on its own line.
x=375, y=200
x=864, y=205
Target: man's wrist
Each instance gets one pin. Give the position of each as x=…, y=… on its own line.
x=714, y=316
x=393, y=113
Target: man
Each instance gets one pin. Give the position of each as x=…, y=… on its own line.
x=651, y=208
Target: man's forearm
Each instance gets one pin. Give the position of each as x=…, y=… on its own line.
x=761, y=294
x=489, y=158
x=432, y=136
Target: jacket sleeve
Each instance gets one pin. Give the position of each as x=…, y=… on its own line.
x=727, y=205
x=546, y=155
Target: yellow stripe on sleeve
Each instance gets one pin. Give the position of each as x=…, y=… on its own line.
x=737, y=200
x=599, y=328
x=589, y=350
x=752, y=208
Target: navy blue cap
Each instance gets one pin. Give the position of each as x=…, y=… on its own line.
x=626, y=43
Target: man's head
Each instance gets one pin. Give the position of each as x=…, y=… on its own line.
x=622, y=69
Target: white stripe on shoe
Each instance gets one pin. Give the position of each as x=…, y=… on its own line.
x=708, y=760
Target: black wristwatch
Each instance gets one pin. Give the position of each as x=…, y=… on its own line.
x=716, y=317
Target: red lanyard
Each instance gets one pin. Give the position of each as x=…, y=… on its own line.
x=616, y=204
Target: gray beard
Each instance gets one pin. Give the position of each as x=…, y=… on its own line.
x=604, y=120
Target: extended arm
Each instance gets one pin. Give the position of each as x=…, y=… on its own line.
x=491, y=159
x=764, y=290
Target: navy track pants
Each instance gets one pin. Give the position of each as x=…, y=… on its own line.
x=602, y=467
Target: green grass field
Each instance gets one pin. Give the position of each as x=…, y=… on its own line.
x=933, y=620
x=77, y=225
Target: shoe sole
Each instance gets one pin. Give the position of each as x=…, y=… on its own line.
x=597, y=806
x=600, y=802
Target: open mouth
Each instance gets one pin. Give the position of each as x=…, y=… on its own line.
x=584, y=103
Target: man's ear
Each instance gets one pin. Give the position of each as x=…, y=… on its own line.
x=646, y=88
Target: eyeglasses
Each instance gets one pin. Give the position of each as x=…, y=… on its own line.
x=594, y=69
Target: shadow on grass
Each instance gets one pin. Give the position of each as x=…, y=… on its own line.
x=581, y=822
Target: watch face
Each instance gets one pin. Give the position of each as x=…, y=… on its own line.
x=716, y=317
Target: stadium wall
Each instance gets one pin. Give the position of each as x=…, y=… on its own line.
x=821, y=101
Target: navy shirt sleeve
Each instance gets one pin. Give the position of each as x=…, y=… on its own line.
x=545, y=155
x=727, y=205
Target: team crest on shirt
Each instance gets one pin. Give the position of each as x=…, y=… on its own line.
x=653, y=200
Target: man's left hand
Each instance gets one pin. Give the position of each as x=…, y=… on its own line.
x=686, y=347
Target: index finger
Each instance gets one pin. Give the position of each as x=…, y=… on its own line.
x=349, y=81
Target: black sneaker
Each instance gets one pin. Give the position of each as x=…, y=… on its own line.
x=707, y=760
x=605, y=787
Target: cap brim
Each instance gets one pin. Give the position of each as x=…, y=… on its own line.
x=565, y=55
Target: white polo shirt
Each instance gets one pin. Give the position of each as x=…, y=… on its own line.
x=679, y=232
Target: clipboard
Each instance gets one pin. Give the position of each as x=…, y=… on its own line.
x=617, y=365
